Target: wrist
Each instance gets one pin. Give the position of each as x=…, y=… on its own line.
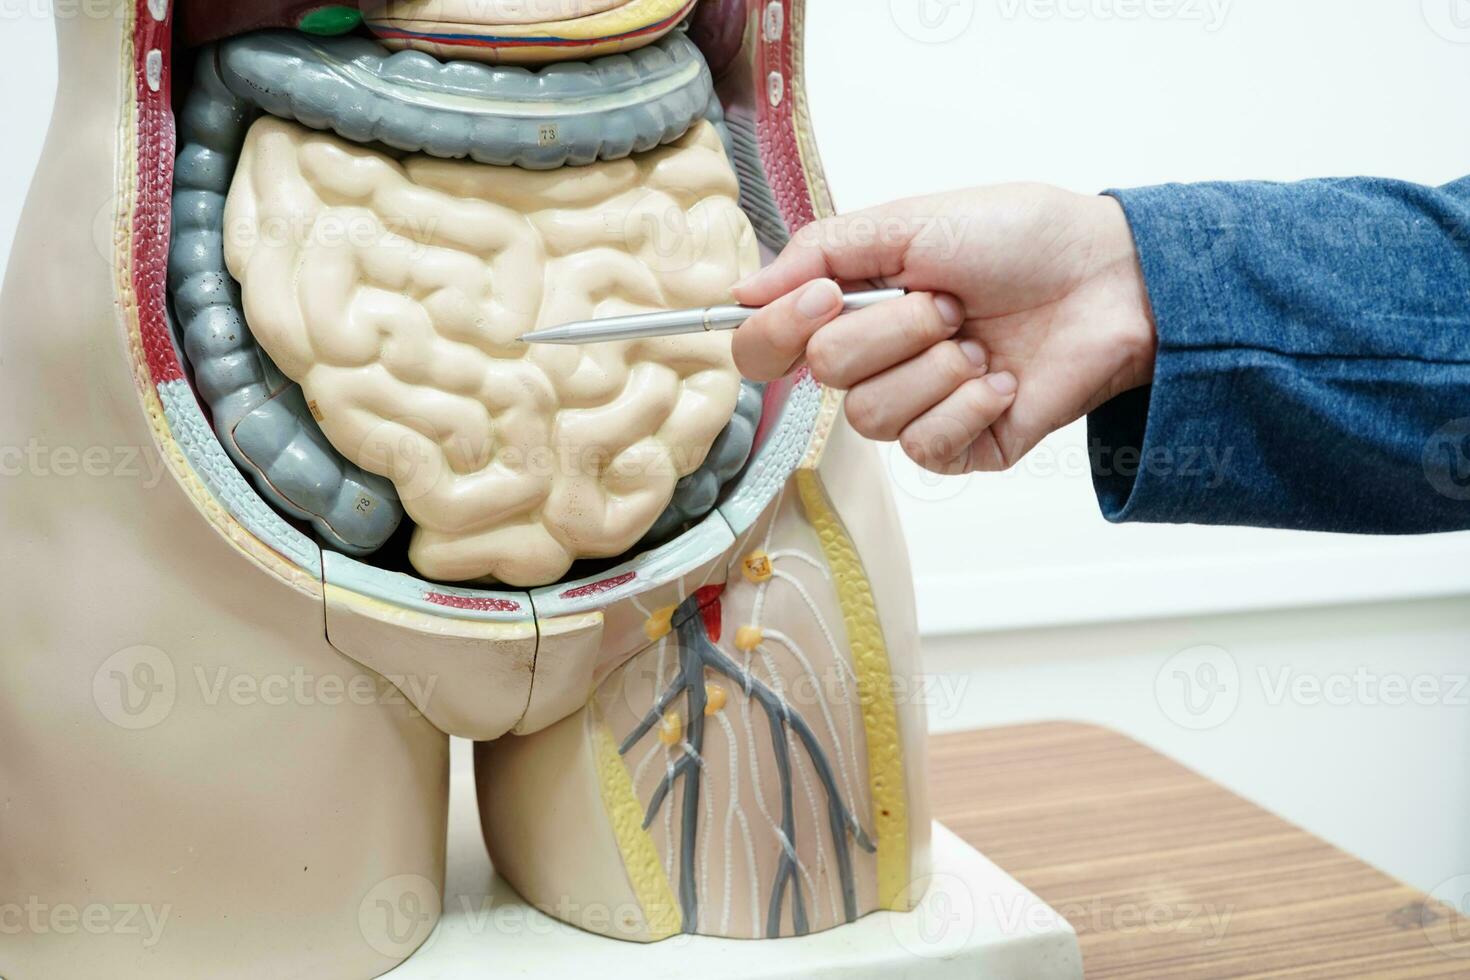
x=1130, y=324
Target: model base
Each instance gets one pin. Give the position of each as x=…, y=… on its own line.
x=975, y=922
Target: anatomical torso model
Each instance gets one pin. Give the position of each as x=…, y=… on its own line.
x=327, y=510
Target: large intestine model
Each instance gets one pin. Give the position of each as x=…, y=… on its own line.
x=672, y=608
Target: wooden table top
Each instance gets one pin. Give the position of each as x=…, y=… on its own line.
x=1165, y=874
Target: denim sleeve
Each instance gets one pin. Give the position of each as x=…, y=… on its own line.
x=1313, y=368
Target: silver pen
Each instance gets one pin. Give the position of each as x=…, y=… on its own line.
x=672, y=322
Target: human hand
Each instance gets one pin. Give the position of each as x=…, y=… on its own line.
x=1027, y=311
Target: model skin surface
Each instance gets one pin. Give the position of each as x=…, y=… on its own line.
x=671, y=605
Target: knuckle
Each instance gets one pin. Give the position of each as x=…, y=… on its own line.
x=782, y=346
x=815, y=239
x=986, y=460
x=783, y=335
x=934, y=465
x=811, y=235
x=979, y=401
x=991, y=461
x=864, y=414
x=920, y=321
x=912, y=321
x=825, y=360
x=911, y=448
x=941, y=438
x=915, y=444
x=954, y=367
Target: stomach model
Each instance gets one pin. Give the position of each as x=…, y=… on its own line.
x=672, y=607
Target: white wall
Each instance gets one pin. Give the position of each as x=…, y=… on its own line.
x=1076, y=93
x=1274, y=90
x=1352, y=721
x=910, y=96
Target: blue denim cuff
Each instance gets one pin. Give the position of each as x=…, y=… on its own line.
x=1313, y=365
x=1183, y=233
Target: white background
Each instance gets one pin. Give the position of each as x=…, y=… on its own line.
x=1075, y=93
x=911, y=96
x=1035, y=608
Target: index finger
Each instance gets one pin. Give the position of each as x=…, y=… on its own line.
x=845, y=248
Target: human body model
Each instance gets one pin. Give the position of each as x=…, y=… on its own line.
x=245, y=646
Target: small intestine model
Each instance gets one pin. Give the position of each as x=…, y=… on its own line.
x=281, y=254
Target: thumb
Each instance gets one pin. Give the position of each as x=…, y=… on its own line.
x=772, y=341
